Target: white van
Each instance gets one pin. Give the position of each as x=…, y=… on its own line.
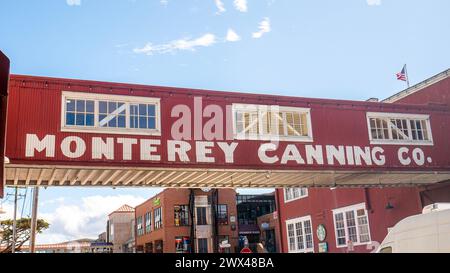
x=428, y=232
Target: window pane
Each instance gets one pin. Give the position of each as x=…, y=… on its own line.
x=112, y=122
x=80, y=119
x=103, y=107
x=291, y=236
x=143, y=122
x=70, y=105
x=340, y=228
x=351, y=226
x=70, y=119
x=308, y=234
x=112, y=106
x=151, y=123
x=133, y=109
x=80, y=106
x=102, y=117
x=134, y=122
x=121, y=122
x=89, y=119
x=299, y=233
x=90, y=106
x=151, y=110
x=142, y=110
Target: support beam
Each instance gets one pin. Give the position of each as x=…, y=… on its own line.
x=34, y=219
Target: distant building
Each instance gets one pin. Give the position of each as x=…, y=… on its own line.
x=76, y=246
x=101, y=247
x=120, y=228
x=188, y=221
x=269, y=228
x=102, y=237
x=249, y=208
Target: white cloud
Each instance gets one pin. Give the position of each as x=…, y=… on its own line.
x=73, y=2
x=373, y=2
x=232, y=36
x=264, y=27
x=164, y=2
x=220, y=6
x=178, y=45
x=241, y=5
x=84, y=220
x=8, y=211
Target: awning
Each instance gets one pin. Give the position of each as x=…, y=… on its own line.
x=40, y=175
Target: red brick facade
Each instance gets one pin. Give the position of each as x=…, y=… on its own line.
x=169, y=231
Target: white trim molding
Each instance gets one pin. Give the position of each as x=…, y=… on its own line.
x=389, y=140
x=127, y=100
x=359, y=220
x=256, y=118
x=302, y=194
x=301, y=233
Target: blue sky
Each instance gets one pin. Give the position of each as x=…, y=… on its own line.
x=324, y=48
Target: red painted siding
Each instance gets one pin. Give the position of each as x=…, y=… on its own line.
x=320, y=203
x=438, y=93
x=36, y=108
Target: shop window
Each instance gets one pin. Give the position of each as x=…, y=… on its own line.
x=392, y=128
x=351, y=225
x=87, y=112
x=182, y=244
x=272, y=122
x=224, y=244
x=181, y=215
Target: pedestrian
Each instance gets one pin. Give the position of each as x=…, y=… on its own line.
x=261, y=247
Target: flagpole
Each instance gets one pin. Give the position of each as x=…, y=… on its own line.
x=407, y=77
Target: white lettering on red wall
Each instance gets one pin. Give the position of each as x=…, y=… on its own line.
x=74, y=147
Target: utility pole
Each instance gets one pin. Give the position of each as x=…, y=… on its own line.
x=34, y=219
x=13, y=247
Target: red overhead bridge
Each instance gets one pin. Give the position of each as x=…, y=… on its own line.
x=64, y=132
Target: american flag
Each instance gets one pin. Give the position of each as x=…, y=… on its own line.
x=401, y=76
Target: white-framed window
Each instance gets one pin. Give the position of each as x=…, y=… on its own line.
x=291, y=194
x=102, y=113
x=351, y=224
x=300, y=235
x=403, y=129
x=273, y=122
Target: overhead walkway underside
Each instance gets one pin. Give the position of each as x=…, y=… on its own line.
x=82, y=176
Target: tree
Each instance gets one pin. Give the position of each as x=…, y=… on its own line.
x=23, y=233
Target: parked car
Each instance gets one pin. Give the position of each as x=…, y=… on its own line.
x=428, y=232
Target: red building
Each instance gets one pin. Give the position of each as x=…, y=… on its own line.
x=357, y=219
